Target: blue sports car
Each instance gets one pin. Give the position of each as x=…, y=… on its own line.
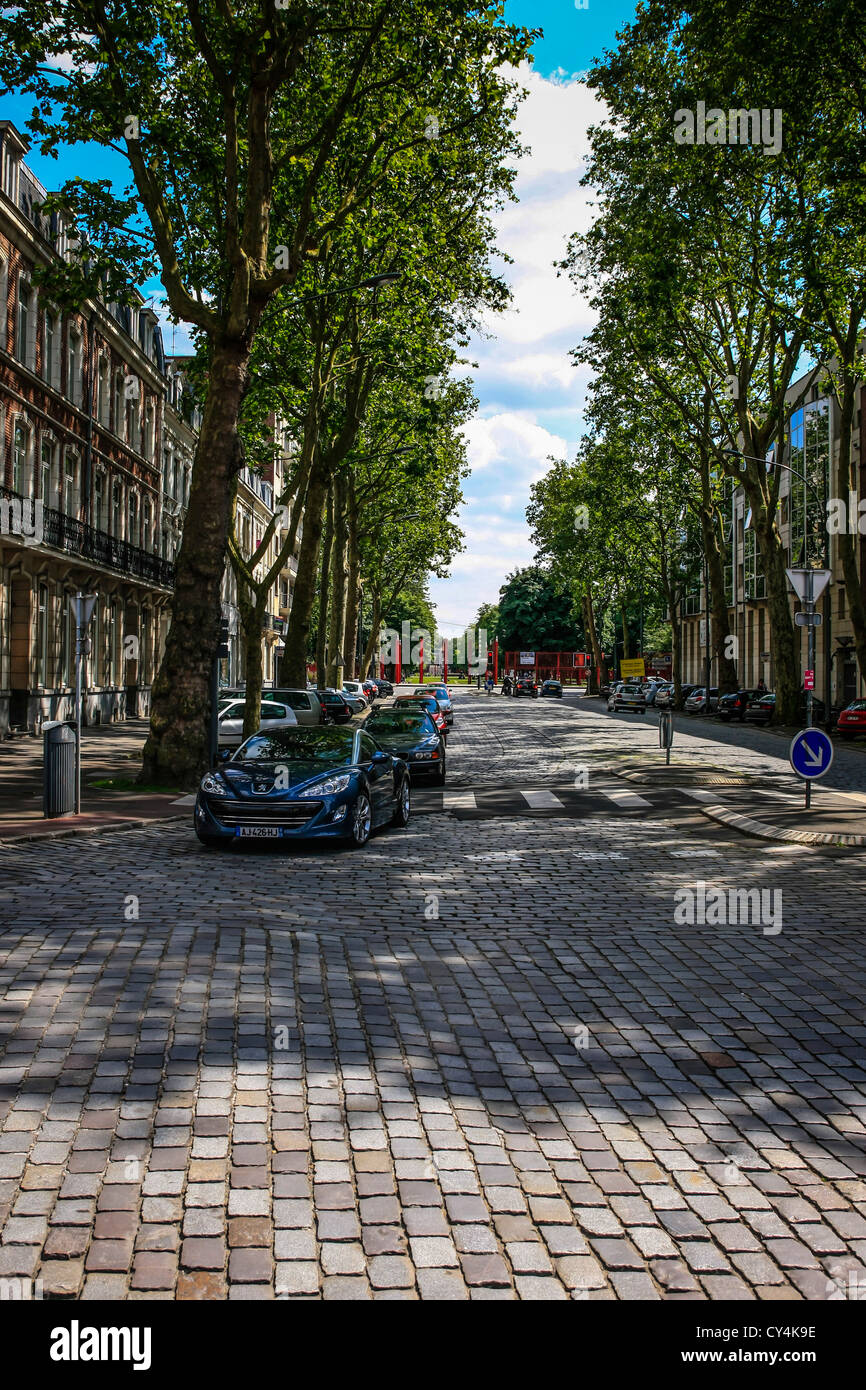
x=303, y=784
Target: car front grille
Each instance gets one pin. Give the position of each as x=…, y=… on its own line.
x=236, y=812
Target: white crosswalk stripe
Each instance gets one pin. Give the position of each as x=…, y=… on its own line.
x=543, y=800
x=459, y=801
x=629, y=801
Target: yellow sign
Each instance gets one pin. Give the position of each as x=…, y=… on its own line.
x=631, y=670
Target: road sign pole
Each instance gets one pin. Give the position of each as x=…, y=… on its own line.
x=810, y=608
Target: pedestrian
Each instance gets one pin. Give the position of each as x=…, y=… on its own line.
x=760, y=688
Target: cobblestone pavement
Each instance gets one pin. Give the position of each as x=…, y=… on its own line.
x=479, y=1059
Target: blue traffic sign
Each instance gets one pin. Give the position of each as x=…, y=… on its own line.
x=811, y=753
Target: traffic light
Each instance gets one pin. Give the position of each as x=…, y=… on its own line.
x=490, y=658
x=223, y=641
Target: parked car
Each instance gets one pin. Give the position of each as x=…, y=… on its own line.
x=442, y=696
x=324, y=783
x=733, y=705
x=552, y=687
x=665, y=696
x=852, y=719
x=428, y=703
x=629, y=696
x=761, y=709
x=356, y=688
x=356, y=701
x=337, y=710
x=612, y=692
x=230, y=722
x=384, y=687
x=651, y=689
x=699, y=702
x=411, y=735
x=307, y=705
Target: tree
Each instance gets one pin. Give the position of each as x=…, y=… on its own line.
x=252, y=136
x=535, y=615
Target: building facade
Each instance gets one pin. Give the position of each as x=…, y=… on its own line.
x=806, y=503
x=82, y=400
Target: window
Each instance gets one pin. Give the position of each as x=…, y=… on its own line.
x=4, y=290
x=132, y=519
x=46, y=473
x=117, y=510
x=94, y=661
x=49, y=359
x=42, y=636
x=99, y=502
x=754, y=582
x=118, y=403
x=19, y=458
x=67, y=641
x=73, y=367
x=809, y=456
x=24, y=344
x=70, y=485
x=148, y=431
x=145, y=526
x=131, y=407
x=367, y=748
x=102, y=399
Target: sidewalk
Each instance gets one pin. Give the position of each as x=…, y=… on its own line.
x=740, y=776
x=107, y=751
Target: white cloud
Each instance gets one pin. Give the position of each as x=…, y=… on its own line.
x=525, y=375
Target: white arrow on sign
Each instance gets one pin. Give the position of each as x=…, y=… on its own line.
x=799, y=579
x=815, y=757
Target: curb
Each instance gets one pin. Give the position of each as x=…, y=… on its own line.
x=72, y=830
x=762, y=831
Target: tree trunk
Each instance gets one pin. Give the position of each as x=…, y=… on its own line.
x=337, y=622
x=252, y=618
x=846, y=541
x=677, y=652
x=353, y=591
x=785, y=662
x=718, y=602
x=177, y=749
x=373, y=639
x=626, y=637
x=293, y=667
x=324, y=587
x=599, y=677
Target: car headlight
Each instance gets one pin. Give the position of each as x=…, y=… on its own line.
x=329, y=786
x=212, y=783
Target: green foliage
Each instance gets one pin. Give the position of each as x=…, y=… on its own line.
x=535, y=614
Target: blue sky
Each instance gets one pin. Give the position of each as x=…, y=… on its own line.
x=530, y=396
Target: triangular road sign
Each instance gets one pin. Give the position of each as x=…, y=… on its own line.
x=799, y=579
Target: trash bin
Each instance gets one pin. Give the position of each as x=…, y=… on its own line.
x=58, y=768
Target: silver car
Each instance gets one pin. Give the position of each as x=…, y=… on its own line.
x=630, y=696
x=356, y=688
x=357, y=703
x=230, y=723
x=306, y=705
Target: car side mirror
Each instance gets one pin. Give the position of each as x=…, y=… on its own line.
x=224, y=754
x=380, y=757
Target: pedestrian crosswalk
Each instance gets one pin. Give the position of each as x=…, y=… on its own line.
x=491, y=802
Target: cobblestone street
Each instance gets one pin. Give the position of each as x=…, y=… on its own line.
x=481, y=1058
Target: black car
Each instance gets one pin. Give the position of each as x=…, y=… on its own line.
x=336, y=709
x=761, y=709
x=733, y=706
x=525, y=685
x=385, y=687
x=412, y=736
x=552, y=687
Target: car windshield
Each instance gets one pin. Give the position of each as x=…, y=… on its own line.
x=396, y=722
x=425, y=701
x=631, y=690
x=332, y=746
x=857, y=704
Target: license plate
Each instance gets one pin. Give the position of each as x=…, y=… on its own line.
x=259, y=832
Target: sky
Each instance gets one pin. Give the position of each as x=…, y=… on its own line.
x=530, y=394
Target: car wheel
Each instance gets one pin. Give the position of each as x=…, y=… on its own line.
x=403, y=809
x=362, y=820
